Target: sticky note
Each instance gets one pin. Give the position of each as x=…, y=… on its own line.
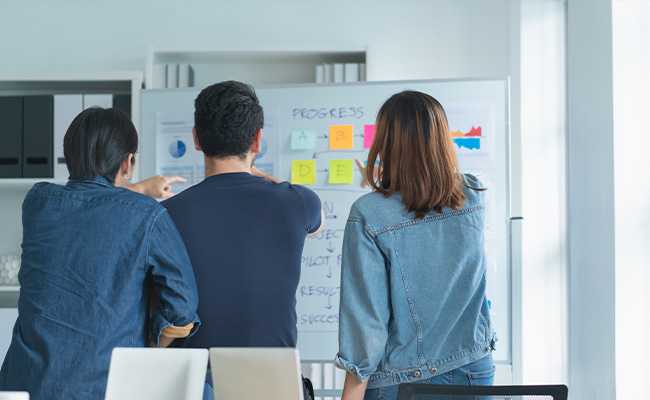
x=341, y=171
x=368, y=135
x=303, y=172
x=303, y=138
x=341, y=137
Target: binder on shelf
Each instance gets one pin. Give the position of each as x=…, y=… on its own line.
x=339, y=72
x=320, y=74
x=98, y=100
x=159, y=79
x=329, y=73
x=11, y=137
x=66, y=108
x=172, y=76
x=351, y=72
x=123, y=102
x=362, y=72
x=185, y=76
x=38, y=124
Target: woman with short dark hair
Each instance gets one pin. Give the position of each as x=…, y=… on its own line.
x=92, y=253
x=413, y=305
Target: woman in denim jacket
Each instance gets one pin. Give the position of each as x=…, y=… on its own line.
x=413, y=305
x=92, y=251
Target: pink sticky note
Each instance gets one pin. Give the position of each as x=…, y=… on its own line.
x=368, y=135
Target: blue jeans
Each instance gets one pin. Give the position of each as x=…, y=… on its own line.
x=478, y=373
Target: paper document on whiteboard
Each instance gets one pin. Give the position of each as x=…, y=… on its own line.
x=175, y=152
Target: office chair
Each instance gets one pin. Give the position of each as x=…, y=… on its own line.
x=156, y=374
x=425, y=391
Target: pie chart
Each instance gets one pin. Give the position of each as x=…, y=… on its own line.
x=177, y=149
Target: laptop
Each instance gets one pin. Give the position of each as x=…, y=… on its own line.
x=256, y=373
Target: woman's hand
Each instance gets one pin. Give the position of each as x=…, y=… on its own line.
x=158, y=187
x=362, y=169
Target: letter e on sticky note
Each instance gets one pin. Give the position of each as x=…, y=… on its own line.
x=303, y=172
x=341, y=137
x=341, y=171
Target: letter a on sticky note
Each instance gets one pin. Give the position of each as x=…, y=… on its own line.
x=303, y=138
x=368, y=135
x=341, y=171
x=303, y=172
x=341, y=137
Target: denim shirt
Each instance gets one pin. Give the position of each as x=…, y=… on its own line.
x=91, y=252
x=413, y=302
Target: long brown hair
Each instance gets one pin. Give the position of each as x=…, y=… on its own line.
x=416, y=154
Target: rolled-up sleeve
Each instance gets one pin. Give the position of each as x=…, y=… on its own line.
x=172, y=275
x=365, y=302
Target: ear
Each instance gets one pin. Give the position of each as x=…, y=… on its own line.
x=197, y=146
x=256, y=147
x=127, y=165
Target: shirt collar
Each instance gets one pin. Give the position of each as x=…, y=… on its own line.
x=98, y=180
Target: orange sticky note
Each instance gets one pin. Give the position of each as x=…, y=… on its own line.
x=303, y=172
x=341, y=137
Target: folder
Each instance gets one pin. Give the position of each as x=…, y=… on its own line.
x=38, y=127
x=185, y=75
x=11, y=137
x=320, y=73
x=329, y=73
x=123, y=102
x=339, y=72
x=159, y=79
x=351, y=72
x=98, y=100
x=172, y=76
x=66, y=108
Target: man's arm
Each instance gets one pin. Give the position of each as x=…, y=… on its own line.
x=256, y=172
x=320, y=227
x=158, y=187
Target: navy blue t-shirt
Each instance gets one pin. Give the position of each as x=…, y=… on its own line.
x=245, y=237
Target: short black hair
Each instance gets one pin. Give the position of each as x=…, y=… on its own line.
x=97, y=143
x=227, y=115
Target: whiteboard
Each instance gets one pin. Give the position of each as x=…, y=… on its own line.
x=470, y=105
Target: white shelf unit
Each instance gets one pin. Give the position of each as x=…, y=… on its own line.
x=257, y=66
x=13, y=190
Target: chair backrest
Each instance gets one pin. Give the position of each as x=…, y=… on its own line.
x=14, y=395
x=160, y=374
x=424, y=391
x=256, y=373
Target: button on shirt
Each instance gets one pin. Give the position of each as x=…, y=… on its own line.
x=90, y=253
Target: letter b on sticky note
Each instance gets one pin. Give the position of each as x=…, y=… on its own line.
x=303, y=172
x=341, y=137
x=341, y=171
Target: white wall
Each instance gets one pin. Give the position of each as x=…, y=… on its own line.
x=544, y=181
x=631, y=49
x=591, y=200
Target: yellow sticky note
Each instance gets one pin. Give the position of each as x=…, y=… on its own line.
x=341, y=137
x=303, y=172
x=341, y=171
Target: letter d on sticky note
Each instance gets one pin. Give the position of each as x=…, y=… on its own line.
x=303, y=172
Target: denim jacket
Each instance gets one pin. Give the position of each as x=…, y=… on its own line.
x=413, y=302
x=91, y=252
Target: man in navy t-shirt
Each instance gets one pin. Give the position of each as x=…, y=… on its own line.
x=244, y=233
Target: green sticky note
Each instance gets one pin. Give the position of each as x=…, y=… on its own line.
x=303, y=138
x=341, y=171
x=303, y=172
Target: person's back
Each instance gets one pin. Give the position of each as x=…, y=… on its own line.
x=91, y=253
x=245, y=237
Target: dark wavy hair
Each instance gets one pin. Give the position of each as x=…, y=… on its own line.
x=416, y=154
x=97, y=143
x=227, y=115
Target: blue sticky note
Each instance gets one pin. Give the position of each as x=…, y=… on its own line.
x=303, y=138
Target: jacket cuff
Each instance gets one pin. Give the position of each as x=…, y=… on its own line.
x=159, y=325
x=344, y=364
